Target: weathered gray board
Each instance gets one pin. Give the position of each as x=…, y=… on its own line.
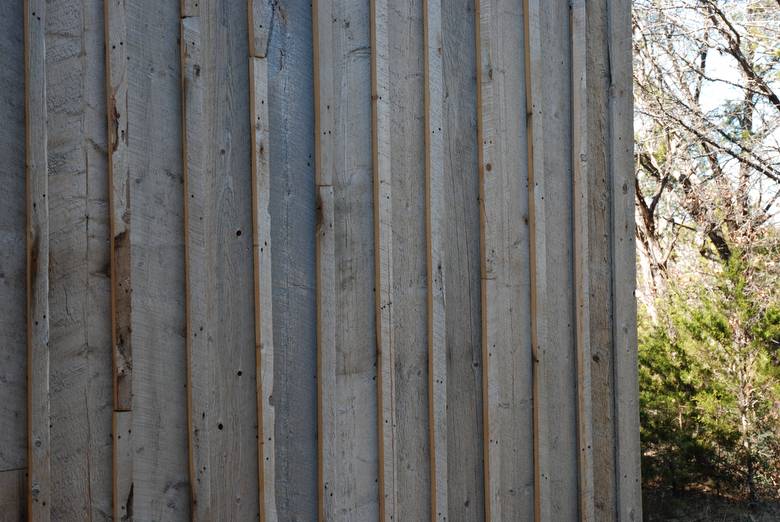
x=355, y=260
x=80, y=284
x=13, y=326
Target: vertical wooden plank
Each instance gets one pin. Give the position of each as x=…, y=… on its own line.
x=536, y=187
x=261, y=218
x=13, y=252
x=79, y=293
x=144, y=101
x=383, y=259
x=38, y=406
x=119, y=195
x=115, y=27
x=621, y=144
x=460, y=229
x=196, y=266
x=555, y=377
x=227, y=406
x=12, y=495
x=581, y=180
x=435, y=270
x=506, y=306
x=326, y=360
x=398, y=57
x=293, y=222
x=122, y=431
x=346, y=326
x=261, y=187
x=599, y=263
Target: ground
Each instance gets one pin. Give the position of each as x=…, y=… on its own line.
x=703, y=507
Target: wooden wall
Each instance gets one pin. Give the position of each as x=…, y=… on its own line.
x=341, y=260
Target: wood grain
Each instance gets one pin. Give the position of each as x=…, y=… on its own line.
x=264, y=341
x=384, y=293
x=80, y=286
x=621, y=147
x=445, y=326
x=123, y=485
x=537, y=221
x=13, y=251
x=398, y=50
x=346, y=325
x=12, y=495
x=119, y=196
x=197, y=289
x=225, y=382
x=153, y=481
x=581, y=180
x=293, y=221
x=460, y=229
x=555, y=378
x=435, y=270
x=36, y=176
x=599, y=264
x=506, y=279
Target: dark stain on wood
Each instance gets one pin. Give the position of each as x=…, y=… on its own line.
x=123, y=360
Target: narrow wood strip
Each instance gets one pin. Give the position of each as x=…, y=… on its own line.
x=12, y=495
x=196, y=269
x=261, y=217
x=534, y=111
x=434, y=216
x=581, y=203
x=324, y=111
x=119, y=197
x=36, y=175
x=506, y=277
x=260, y=17
x=123, y=460
x=628, y=449
x=115, y=29
x=387, y=423
x=324, y=265
x=486, y=438
x=326, y=360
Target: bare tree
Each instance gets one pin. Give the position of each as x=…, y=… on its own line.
x=707, y=91
x=711, y=170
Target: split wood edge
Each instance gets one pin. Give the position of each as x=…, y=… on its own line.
x=325, y=266
x=115, y=35
x=383, y=259
x=621, y=166
x=580, y=196
x=536, y=191
x=436, y=277
x=261, y=247
x=195, y=291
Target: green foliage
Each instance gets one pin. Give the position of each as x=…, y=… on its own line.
x=709, y=384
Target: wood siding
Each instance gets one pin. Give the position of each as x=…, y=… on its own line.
x=350, y=260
